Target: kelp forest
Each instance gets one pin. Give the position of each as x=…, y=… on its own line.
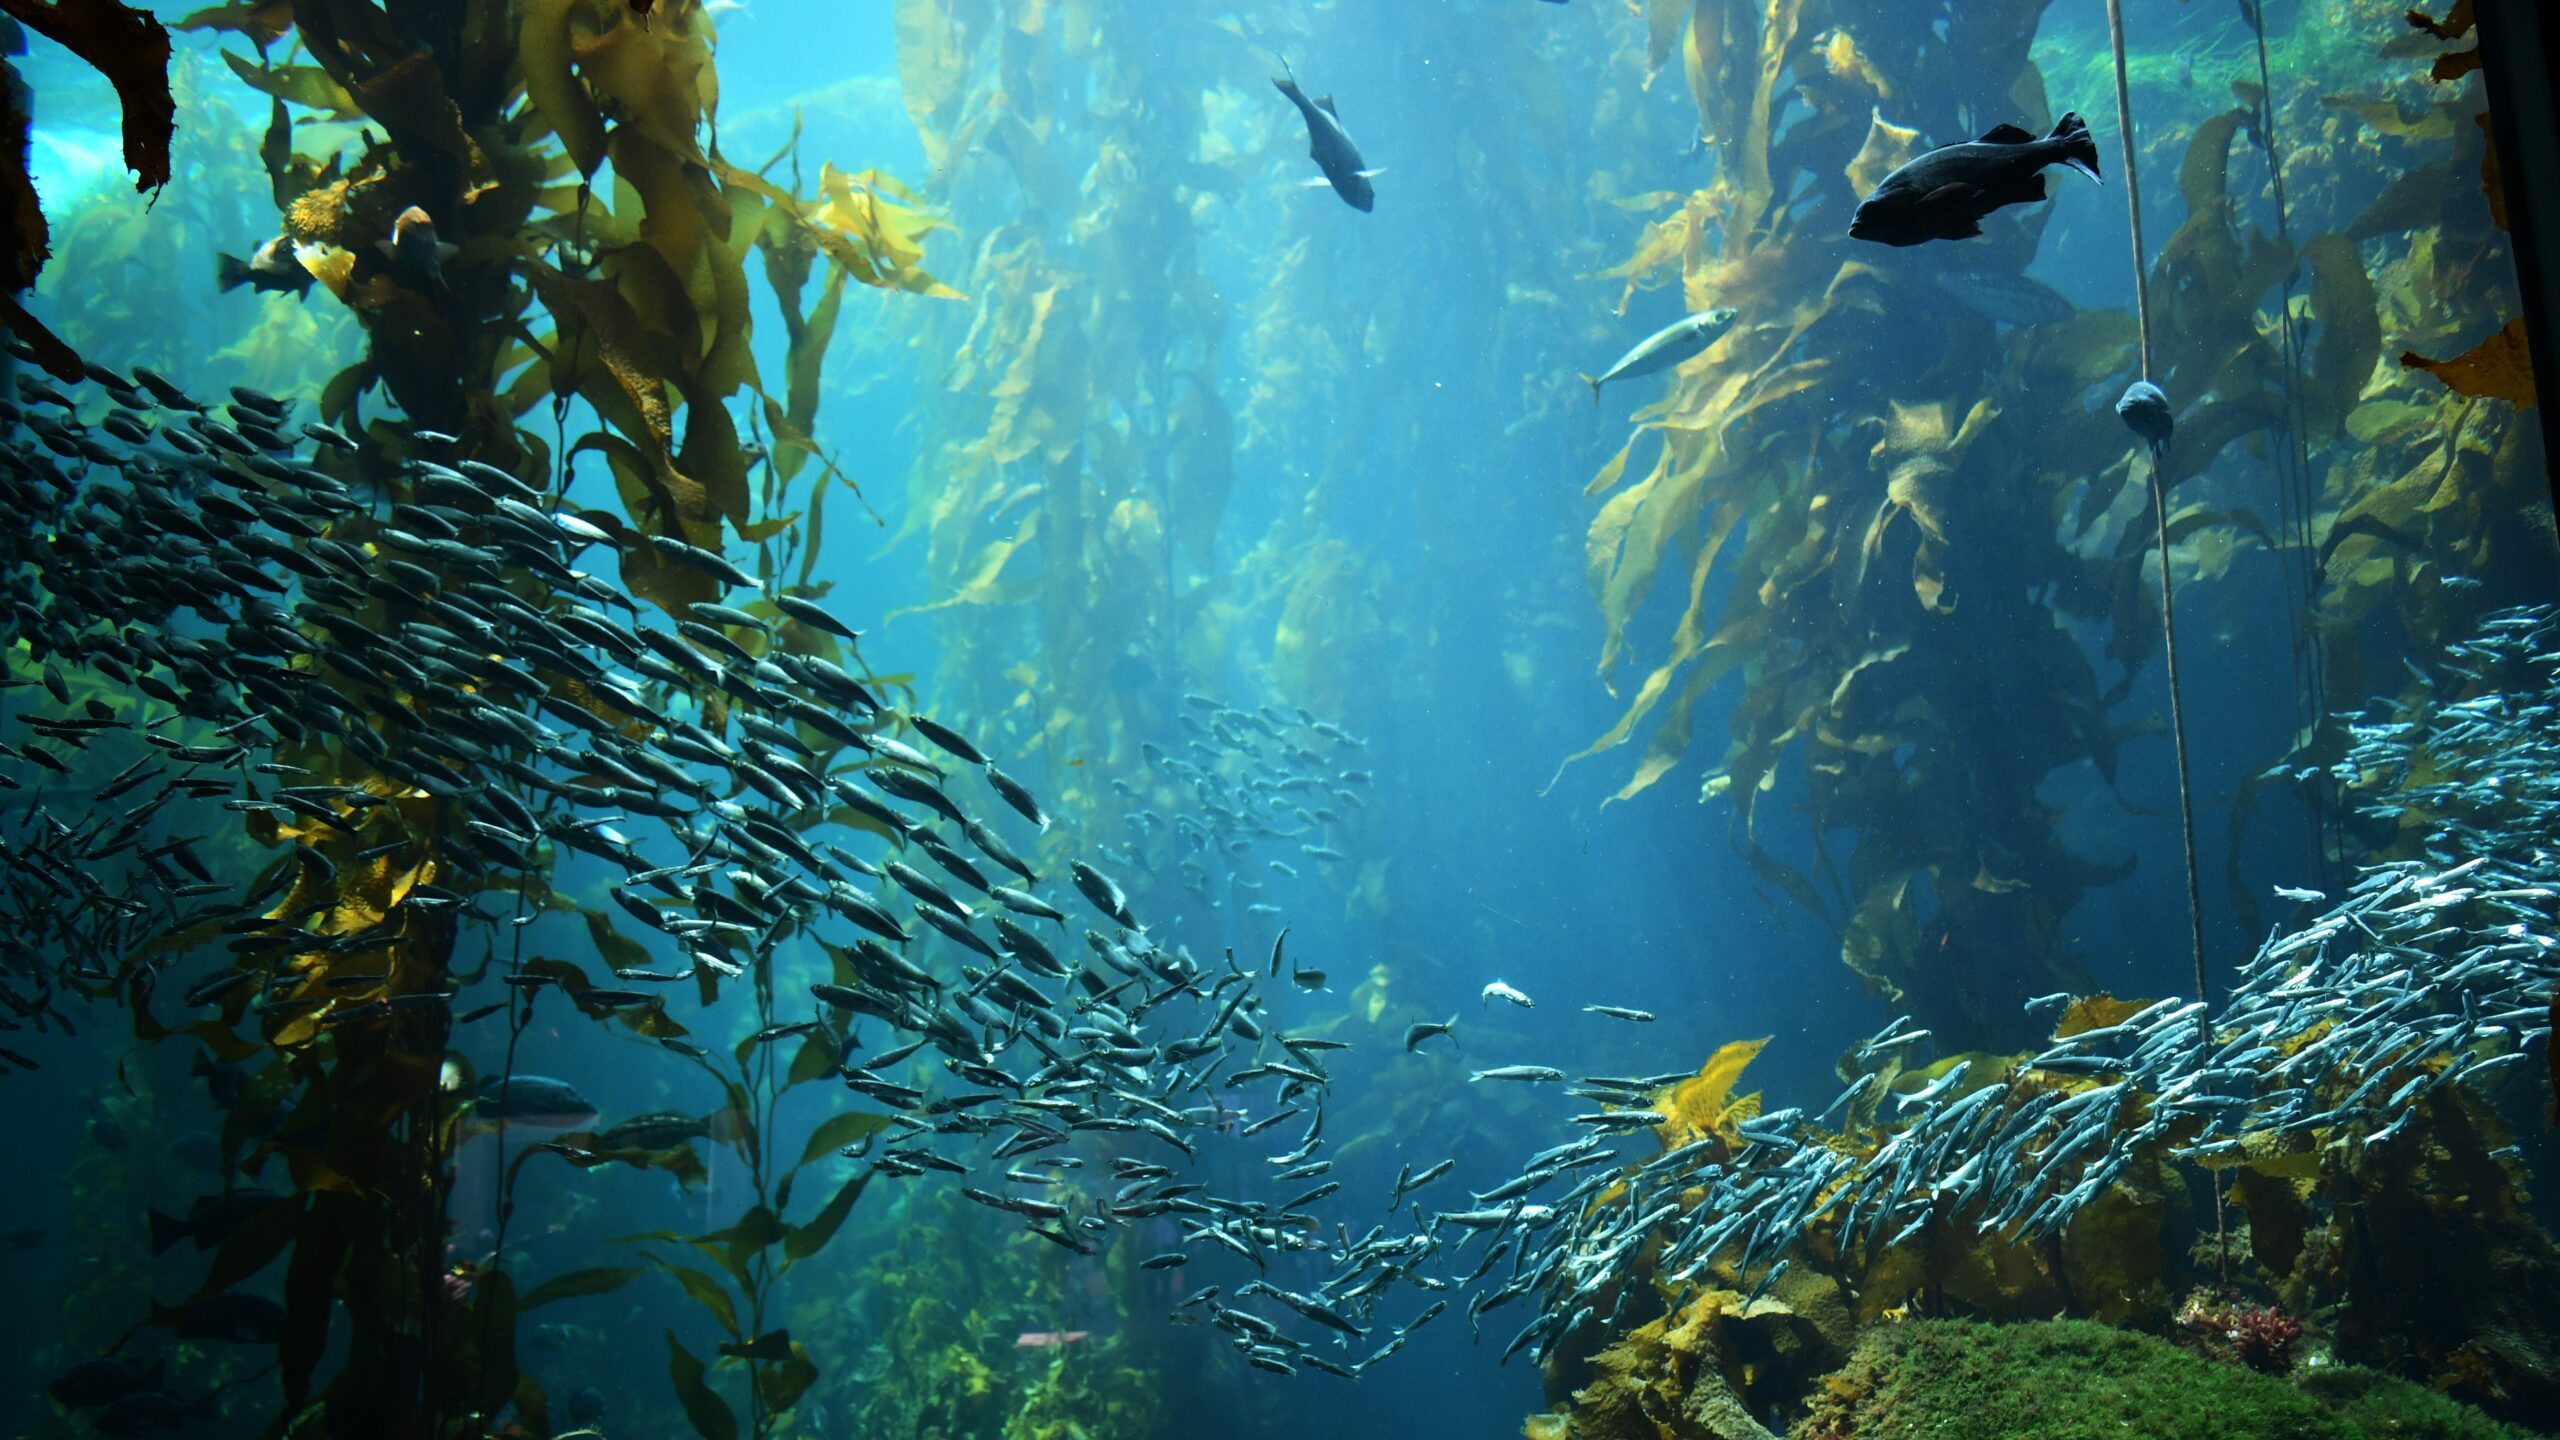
x=741, y=718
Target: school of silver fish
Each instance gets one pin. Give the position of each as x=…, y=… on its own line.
x=187, y=557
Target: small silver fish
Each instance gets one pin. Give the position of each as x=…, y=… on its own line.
x=1683, y=339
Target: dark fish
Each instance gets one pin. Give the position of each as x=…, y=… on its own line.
x=533, y=1100
x=413, y=245
x=163, y=389
x=1104, y=892
x=1329, y=144
x=948, y=738
x=272, y=266
x=1414, y=1035
x=708, y=562
x=2145, y=410
x=993, y=847
x=150, y=1412
x=211, y=1219
x=813, y=616
x=1016, y=795
x=657, y=1130
x=238, y=1318
x=586, y=1406
x=92, y=1383
x=1946, y=193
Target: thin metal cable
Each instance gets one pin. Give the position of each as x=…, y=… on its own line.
x=2168, y=608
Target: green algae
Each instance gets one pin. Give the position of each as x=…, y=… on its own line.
x=2075, y=1380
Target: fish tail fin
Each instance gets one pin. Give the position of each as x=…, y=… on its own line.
x=166, y=1230
x=230, y=272
x=1286, y=82
x=1595, y=391
x=2078, y=150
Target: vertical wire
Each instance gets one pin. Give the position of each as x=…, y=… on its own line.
x=2168, y=608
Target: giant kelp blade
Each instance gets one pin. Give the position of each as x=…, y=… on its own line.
x=805, y=1240
x=705, y=1292
x=934, y=45
x=782, y=1381
x=310, y=1291
x=31, y=246
x=31, y=240
x=547, y=48
x=1664, y=20
x=254, y=1245
x=2344, y=303
x=131, y=48
x=598, y=1280
x=838, y=1131
x=2499, y=367
x=491, y=1382
x=710, y=1415
x=308, y=86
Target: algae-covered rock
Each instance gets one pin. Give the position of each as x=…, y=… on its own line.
x=2379, y=1404
x=1700, y=1374
x=2076, y=1380
x=2443, y=1271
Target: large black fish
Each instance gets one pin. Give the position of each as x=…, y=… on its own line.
x=1330, y=145
x=211, y=1219
x=1944, y=194
x=534, y=1100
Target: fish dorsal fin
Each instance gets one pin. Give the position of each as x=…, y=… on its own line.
x=1326, y=105
x=2006, y=135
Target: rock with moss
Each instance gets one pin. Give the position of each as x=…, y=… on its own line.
x=1705, y=1372
x=2380, y=1405
x=2075, y=1380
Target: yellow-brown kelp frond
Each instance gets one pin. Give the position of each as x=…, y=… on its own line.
x=493, y=138
x=1704, y=1104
